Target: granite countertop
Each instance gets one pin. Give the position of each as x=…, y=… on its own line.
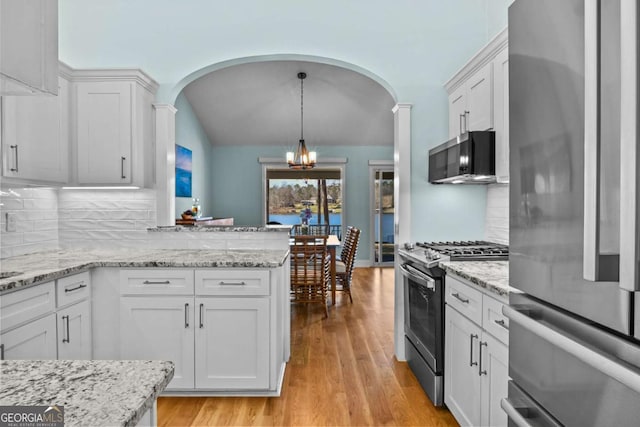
x=42, y=266
x=93, y=392
x=490, y=275
x=228, y=228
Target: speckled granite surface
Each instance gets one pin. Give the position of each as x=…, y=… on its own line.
x=93, y=392
x=51, y=265
x=216, y=228
x=491, y=275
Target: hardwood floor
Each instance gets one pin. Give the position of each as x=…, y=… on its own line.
x=342, y=372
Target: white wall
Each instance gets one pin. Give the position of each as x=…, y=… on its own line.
x=497, y=215
x=36, y=212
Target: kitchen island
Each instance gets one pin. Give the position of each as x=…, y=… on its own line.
x=221, y=315
x=92, y=392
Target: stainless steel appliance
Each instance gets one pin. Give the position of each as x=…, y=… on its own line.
x=468, y=158
x=424, y=304
x=574, y=349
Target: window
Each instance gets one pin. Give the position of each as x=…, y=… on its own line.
x=292, y=195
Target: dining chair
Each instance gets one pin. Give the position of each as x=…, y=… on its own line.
x=310, y=270
x=344, y=267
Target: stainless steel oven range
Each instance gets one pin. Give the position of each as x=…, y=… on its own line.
x=424, y=304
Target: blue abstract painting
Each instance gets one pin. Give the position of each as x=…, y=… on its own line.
x=183, y=171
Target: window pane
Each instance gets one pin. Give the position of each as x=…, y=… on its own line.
x=292, y=199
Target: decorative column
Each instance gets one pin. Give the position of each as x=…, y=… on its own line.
x=402, y=218
x=165, y=121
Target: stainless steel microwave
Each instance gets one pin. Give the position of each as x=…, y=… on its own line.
x=470, y=158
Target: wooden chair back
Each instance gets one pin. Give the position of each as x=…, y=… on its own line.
x=310, y=270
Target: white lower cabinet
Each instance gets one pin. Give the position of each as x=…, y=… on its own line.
x=476, y=362
x=462, y=382
x=232, y=343
x=160, y=328
x=35, y=340
x=217, y=325
x=74, y=331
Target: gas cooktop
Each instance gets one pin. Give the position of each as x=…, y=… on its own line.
x=475, y=250
x=431, y=253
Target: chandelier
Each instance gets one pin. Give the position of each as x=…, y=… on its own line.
x=302, y=158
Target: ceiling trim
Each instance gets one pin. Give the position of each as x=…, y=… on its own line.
x=177, y=89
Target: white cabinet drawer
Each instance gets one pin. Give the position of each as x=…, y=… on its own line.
x=232, y=282
x=493, y=321
x=156, y=281
x=21, y=306
x=74, y=288
x=463, y=298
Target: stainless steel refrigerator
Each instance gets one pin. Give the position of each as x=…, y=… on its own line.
x=574, y=348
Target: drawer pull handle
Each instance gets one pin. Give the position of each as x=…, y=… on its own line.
x=15, y=147
x=201, y=320
x=186, y=315
x=232, y=283
x=161, y=282
x=1, y=351
x=76, y=288
x=122, y=175
x=502, y=323
x=458, y=297
x=68, y=338
x=481, y=371
x=471, y=337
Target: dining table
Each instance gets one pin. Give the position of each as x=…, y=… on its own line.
x=332, y=243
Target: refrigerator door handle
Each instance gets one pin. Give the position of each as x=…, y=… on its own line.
x=517, y=415
x=596, y=266
x=628, y=146
x=609, y=366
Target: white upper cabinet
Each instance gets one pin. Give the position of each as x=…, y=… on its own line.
x=479, y=98
x=28, y=47
x=470, y=103
x=113, y=127
x=35, y=136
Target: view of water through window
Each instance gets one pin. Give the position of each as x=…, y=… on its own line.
x=292, y=199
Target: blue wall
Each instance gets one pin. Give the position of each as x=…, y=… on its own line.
x=413, y=46
x=240, y=194
x=189, y=133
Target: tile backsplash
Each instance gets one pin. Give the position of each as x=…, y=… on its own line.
x=50, y=219
x=36, y=220
x=496, y=227
x=92, y=218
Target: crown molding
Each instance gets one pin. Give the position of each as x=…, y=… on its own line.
x=479, y=60
x=106, y=74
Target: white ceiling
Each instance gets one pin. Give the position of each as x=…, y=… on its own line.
x=259, y=104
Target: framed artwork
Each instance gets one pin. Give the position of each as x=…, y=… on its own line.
x=183, y=171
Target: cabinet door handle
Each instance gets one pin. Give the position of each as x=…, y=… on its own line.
x=15, y=147
x=1, y=351
x=122, y=159
x=232, y=283
x=502, y=323
x=460, y=124
x=466, y=121
x=156, y=282
x=458, y=297
x=76, y=288
x=471, y=337
x=68, y=339
x=481, y=372
x=201, y=320
x=186, y=315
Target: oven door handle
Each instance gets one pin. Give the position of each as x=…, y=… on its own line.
x=418, y=276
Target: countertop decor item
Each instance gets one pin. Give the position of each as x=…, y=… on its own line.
x=302, y=158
